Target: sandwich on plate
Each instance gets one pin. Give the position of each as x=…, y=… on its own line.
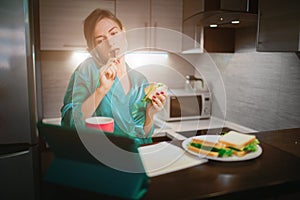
x=152, y=89
x=232, y=143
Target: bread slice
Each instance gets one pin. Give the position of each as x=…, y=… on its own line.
x=201, y=151
x=236, y=140
x=240, y=153
x=207, y=143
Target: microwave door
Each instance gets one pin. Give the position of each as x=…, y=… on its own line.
x=185, y=107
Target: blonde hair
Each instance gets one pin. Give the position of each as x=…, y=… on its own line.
x=90, y=22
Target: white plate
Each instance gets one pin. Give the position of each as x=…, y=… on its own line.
x=215, y=138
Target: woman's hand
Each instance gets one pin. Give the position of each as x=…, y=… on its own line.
x=108, y=74
x=157, y=104
x=107, y=78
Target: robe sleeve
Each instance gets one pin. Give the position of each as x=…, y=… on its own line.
x=80, y=90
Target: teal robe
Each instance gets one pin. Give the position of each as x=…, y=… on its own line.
x=127, y=110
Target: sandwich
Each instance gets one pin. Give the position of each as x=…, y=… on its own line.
x=232, y=143
x=152, y=89
x=209, y=148
x=240, y=143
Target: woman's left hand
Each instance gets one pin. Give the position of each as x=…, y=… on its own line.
x=157, y=104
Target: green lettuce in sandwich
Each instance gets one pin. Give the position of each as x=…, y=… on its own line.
x=152, y=89
x=232, y=143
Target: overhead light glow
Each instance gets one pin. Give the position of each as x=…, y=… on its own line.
x=213, y=25
x=138, y=59
x=235, y=21
x=79, y=56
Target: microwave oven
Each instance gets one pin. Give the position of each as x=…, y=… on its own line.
x=186, y=105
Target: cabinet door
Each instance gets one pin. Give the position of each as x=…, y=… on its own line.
x=140, y=17
x=189, y=35
x=135, y=17
x=279, y=25
x=192, y=7
x=61, y=22
x=167, y=14
x=133, y=13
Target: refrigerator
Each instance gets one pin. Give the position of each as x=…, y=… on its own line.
x=19, y=157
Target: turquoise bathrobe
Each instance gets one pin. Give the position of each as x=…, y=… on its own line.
x=127, y=110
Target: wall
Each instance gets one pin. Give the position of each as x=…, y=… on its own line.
x=57, y=67
x=56, y=70
x=262, y=89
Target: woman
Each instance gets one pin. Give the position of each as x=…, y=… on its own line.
x=104, y=85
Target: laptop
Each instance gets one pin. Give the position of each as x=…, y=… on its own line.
x=93, y=160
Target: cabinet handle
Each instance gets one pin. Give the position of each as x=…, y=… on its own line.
x=155, y=34
x=12, y=155
x=146, y=34
x=74, y=45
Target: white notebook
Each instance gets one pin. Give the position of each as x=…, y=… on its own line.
x=163, y=158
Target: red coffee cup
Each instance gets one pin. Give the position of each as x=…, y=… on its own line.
x=105, y=124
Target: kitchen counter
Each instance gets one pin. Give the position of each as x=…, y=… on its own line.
x=210, y=123
x=181, y=130
x=182, y=126
x=274, y=174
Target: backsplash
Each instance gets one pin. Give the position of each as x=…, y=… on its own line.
x=262, y=89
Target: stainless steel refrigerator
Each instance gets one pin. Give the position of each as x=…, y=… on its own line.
x=19, y=165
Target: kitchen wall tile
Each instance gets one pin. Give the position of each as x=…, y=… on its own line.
x=262, y=89
x=56, y=69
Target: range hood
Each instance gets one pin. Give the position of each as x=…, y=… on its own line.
x=218, y=14
x=226, y=19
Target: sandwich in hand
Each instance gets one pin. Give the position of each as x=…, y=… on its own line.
x=232, y=143
x=152, y=89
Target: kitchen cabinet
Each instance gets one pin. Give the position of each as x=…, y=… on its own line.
x=279, y=26
x=143, y=19
x=61, y=22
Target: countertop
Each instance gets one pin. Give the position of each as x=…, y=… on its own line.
x=209, y=123
x=180, y=130
x=183, y=126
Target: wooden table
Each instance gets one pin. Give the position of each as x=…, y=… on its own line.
x=275, y=173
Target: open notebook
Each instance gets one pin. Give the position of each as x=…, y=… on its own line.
x=164, y=157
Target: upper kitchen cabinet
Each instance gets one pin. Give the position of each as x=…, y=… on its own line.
x=151, y=23
x=61, y=22
x=279, y=25
x=210, y=25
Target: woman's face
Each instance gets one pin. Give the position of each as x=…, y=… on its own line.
x=109, y=39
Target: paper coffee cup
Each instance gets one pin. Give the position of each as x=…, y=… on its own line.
x=105, y=124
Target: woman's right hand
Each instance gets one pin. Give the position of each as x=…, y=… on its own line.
x=108, y=74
